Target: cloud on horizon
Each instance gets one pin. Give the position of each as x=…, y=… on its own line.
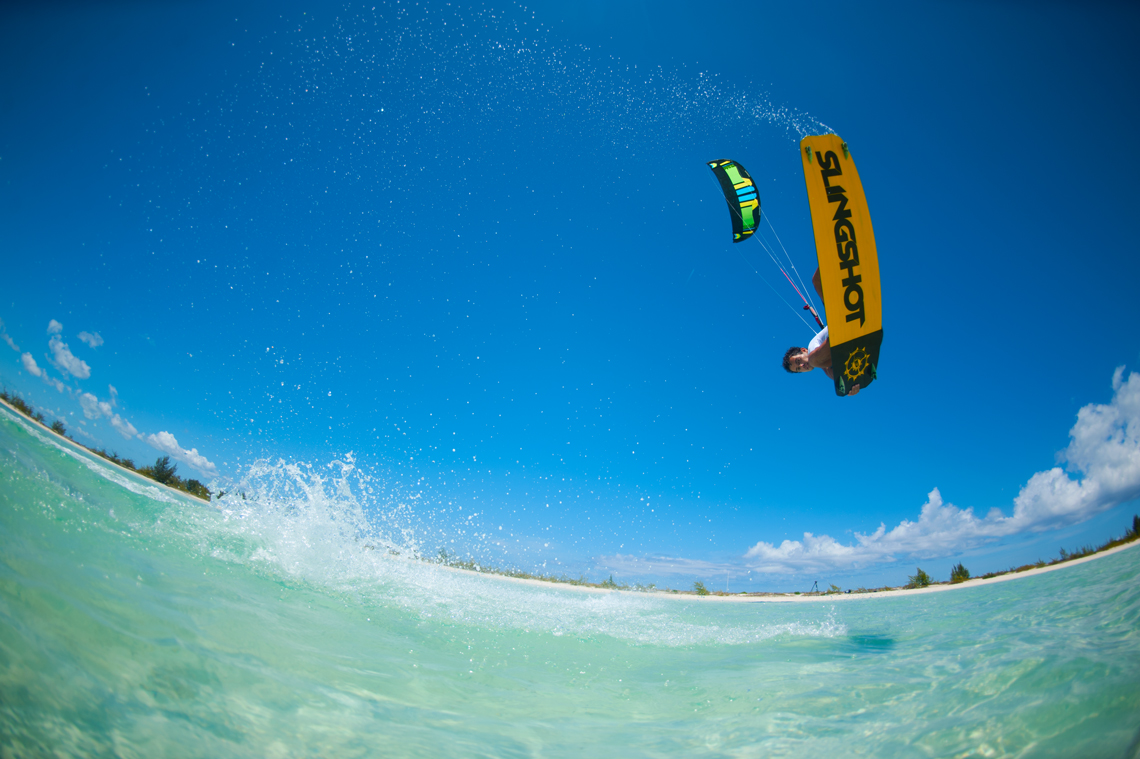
x=167, y=443
x=657, y=566
x=1104, y=449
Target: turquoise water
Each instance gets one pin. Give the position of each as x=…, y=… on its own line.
x=134, y=622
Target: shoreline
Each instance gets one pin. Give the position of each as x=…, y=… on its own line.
x=75, y=444
x=761, y=597
x=757, y=597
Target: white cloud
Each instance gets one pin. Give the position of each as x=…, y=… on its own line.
x=940, y=529
x=54, y=327
x=7, y=338
x=32, y=368
x=30, y=365
x=93, y=408
x=1104, y=448
x=123, y=427
x=114, y=395
x=93, y=340
x=63, y=359
x=166, y=443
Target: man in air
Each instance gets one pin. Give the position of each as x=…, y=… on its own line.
x=818, y=353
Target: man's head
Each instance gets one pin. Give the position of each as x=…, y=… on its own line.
x=796, y=361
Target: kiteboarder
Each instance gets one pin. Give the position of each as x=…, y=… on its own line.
x=845, y=249
x=818, y=353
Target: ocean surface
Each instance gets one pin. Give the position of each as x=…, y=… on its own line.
x=138, y=623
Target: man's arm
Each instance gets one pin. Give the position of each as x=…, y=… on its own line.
x=820, y=358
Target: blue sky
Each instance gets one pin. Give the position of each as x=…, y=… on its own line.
x=477, y=247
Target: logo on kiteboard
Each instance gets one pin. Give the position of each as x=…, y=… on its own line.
x=845, y=244
x=857, y=364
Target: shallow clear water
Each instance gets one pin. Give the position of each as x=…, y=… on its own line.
x=137, y=623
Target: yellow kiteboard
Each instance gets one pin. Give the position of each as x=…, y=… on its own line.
x=848, y=263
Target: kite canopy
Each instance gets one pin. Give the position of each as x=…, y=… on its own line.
x=741, y=196
x=848, y=262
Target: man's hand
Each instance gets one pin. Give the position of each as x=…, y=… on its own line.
x=853, y=391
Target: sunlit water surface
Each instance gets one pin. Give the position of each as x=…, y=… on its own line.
x=134, y=622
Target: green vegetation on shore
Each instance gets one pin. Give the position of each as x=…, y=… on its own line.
x=1129, y=536
x=163, y=471
x=919, y=579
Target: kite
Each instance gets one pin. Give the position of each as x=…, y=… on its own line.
x=741, y=196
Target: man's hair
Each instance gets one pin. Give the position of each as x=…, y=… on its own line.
x=793, y=351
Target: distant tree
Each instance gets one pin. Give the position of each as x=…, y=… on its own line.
x=700, y=588
x=196, y=488
x=835, y=589
x=919, y=579
x=1135, y=526
x=163, y=471
x=58, y=428
x=17, y=403
x=959, y=573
